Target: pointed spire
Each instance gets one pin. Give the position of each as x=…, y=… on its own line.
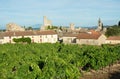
x=99, y=20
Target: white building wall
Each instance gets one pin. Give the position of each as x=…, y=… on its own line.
x=49, y=38
x=6, y=40
x=1, y=41
x=34, y=38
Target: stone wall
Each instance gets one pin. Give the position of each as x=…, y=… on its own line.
x=14, y=27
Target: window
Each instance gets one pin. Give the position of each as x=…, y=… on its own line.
x=40, y=36
x=40, y=40
x=10, y=37
x=33, y=40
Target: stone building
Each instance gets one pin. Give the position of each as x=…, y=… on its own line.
x=72, y=26
x=87, y=38
x=69, y=38
x=100, y=25
x=91, y=39
x=113, y=40
x=14, y=27
x=46, y=23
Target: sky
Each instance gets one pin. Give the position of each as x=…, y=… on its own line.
x=60, y=12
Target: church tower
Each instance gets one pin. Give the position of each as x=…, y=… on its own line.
x=100, y=25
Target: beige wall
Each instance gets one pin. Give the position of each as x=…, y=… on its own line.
x=99, y=41
x=10, y=39
x=102, y=39
x=87, y=41
x=1, y=41
x=6, y=40
x=69, y=39
x=49, y=38
x=112, y=41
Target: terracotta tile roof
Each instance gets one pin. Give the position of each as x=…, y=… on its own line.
x=48, y=32
x=70, y=35
x=26, y=33
x=94, y=32
x=113, y=38
x=88, y=36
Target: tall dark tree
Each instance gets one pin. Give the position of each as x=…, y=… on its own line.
x=119, y=23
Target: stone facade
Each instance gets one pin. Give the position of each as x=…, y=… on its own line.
x=100, y=25
x=88, y=38
x=113, y=40
x=72, y=26
x=70, y=38
x=14, y=27
x=46, y=23
x=92, y=39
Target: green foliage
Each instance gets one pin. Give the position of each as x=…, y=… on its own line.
x=119, y=23
x=29, y=28
x=22, y=40
x=51, y=27
x=53, y=61
x=113, y=31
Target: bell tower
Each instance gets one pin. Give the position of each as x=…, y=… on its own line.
x=100, y=25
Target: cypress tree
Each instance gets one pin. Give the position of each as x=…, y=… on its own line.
x=119, y=23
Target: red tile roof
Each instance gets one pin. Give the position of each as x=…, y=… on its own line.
x=88, y=36
x=26, y=33
x=70, y=35
x=113, y=38
x=94, y=32
x=94, y=35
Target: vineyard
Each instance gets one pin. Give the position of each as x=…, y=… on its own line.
x=53, y=61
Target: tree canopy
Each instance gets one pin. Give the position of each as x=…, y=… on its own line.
x=119, y=23
x=113, y=31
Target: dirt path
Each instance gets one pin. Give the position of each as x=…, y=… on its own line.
x=112, y=72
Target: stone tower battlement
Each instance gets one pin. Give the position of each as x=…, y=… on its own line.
x=46, y=23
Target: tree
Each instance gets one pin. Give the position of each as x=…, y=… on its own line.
x=119, y=23
x=113, y=31
x=29, y=28
x=61, y=28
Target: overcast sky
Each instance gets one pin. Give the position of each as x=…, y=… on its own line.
x=61, y=12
